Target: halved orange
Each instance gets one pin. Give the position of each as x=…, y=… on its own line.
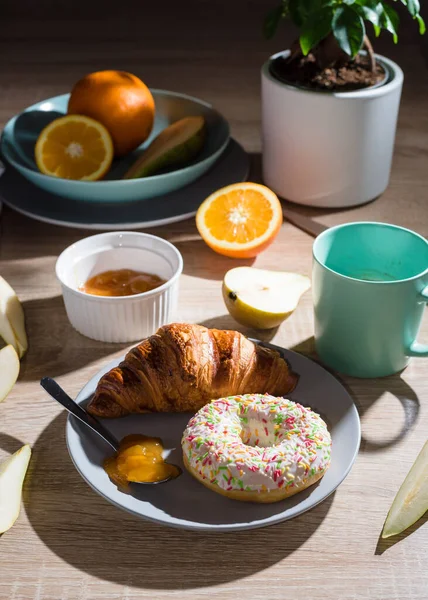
x=74, y=147
x=240, y=220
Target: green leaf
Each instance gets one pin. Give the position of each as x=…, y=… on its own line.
x=297, y=12
x=273, y=19
x=348, y=29
x=390, y=21
x=374, y=4
x=315, y=29
x=422, y=27
x=302, y=10
x=370, y=11
x=413, y=7
x=348, y=2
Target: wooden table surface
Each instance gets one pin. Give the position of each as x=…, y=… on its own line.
x=69, y=543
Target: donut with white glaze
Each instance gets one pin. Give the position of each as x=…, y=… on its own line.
x=256, y=447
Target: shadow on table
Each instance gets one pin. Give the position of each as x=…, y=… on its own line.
x=202, y=262
x=9, y=444
x=227, y=322
x=45, y=239
x=199, y=260
x=366, y=392
x=55, y=348
x=384, y=544
x=402, y=391
x=95, y=537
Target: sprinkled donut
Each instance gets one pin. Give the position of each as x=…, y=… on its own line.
x=256, y=447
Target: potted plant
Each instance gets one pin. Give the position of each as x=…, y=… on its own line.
x=329, y=104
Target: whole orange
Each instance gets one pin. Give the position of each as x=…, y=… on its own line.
x=118, y=100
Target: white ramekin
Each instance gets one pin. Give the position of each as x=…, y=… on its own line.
x=122, y=318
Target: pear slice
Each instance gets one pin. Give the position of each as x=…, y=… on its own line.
x=260, y=298
x=12, y=474
x=9, y=370
x=12, y=321
x=175, y=146
x=411, y=501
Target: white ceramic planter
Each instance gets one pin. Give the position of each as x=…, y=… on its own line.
x=329, y=149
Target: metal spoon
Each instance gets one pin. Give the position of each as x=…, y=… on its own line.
x=58, y=394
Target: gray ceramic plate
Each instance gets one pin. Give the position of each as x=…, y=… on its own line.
x=186, y=503
x=21, y=132
x=24, y=197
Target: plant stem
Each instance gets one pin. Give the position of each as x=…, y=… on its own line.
x=370, y=53
x=295, y=50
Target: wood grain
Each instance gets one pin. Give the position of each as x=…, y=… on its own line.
x=70, y=544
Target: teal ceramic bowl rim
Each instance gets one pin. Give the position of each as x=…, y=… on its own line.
x=377, y=224
x=152, y=178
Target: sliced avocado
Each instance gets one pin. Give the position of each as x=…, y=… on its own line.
x=175, y=146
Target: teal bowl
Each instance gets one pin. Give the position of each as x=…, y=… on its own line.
x=21, y=132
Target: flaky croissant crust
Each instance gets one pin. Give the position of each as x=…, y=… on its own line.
x=182, y=367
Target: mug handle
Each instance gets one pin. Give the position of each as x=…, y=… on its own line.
x=417, y=349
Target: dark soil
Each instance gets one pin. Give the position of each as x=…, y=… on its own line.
x=303, y=71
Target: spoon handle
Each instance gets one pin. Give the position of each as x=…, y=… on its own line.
x=58, y=394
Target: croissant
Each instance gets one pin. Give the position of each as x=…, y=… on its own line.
x=182, y=367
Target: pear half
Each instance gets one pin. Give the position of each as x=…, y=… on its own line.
x=9, y=370
x=12, y=474
x=411, y=501
x=174, y=147
x=12, y=322
x=260, y=298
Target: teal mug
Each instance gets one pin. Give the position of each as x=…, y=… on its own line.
x=370, y=287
